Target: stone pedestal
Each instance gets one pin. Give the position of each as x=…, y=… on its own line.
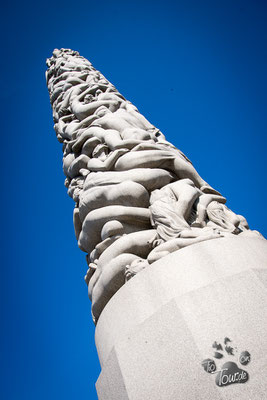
x=155, y=332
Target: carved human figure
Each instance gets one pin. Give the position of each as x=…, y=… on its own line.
x=172, y=206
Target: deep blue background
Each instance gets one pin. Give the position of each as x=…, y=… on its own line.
x=196, y=70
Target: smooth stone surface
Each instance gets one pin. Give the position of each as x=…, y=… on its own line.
x=154, y=333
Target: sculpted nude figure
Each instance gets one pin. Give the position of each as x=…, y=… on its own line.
x=123, y=118
x=127, y=193
x=163, y=159
x=187, y=238
x=83, y=103
x=150, y=178
x=171, y=208
x=109, y=273
x=123, y=160
x=112, y=138
x=220, y=222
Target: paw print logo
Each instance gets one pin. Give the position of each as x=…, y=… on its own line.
x=229, y=372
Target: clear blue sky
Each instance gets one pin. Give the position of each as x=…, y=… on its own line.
x=196, y=70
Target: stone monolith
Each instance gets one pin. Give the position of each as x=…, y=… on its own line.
x=177, y=280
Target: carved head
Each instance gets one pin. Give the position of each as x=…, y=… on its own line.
x=220, y=215
x=135, y=267
x=101, y=111
x=88, y=98
x=100, y=151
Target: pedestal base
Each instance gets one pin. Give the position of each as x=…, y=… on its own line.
x=155, y=332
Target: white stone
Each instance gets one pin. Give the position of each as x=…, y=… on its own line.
x=171, y=268
x=155, y=332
